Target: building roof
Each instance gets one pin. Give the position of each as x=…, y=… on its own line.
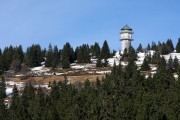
x=126, y=27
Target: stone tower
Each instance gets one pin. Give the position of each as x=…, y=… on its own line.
x=126, y=37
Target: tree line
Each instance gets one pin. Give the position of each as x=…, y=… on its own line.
x=14, y=58
x=162, y=48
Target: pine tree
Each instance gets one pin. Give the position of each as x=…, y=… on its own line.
x=2, y=88
x=38, y=105
x=65, y=63
x=139, y=49
x=15, y=105
x=67, y=55
x=96, y=50
x=33, y=56
x=175, y=64
x=105, y=52
x=99, y=63
x=56, y=57
x=130, y=68
x=18, y=57
x=8, y=57
x=169, y=46
x=1, y=64
x=153, y=46
x=132, y=54
x=18, y=53
x=155, y=58
x=83, y=54
x=170, y=65
x=49, y=57
x=145, y=66
x=161, y=65
x=159, y=47
x=27, y=100
x=178, y=46
x=148, y=47
x=125, y=55
x=164, y=50
x=3, y=111
x=79, y=55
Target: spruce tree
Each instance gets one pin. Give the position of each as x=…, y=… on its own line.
x=38, y=105
x=159, y=47
x=145, y=66
x=79, y=54
x=8, y=57
x=153, y=46
x=164, y=50
x=139, y=49
x=67, y=55
x=162, y=65
x=56, y=57
x=49, y=57
x=83, y=54
x=96, y=50
x=175, y=64
x=65, y=63
x=105, y=52
x=15, y=105
x=125, y=55
x=18, y=54
x=1, y=64
x=178, y=46
x=170, y=65
x=99, y=63
x=169, y=46
x=2, y=88
x=3, y=111
x=33, y=56
x=18, y=57
x=148, y=47
x=155, y=58
x=132, y=55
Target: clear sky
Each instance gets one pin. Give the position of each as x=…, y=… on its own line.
x=87, y=21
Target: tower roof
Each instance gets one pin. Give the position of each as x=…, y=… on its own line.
x=126, y=27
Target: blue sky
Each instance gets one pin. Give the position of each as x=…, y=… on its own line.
x=87, y=21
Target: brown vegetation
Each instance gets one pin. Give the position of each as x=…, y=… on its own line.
x=46, y=79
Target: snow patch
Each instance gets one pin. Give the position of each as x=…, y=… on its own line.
x=78, y=66
x=9, y=90
x=103, y=72
x=176, y=76
x=153, y=68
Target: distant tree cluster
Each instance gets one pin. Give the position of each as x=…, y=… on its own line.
x=83, y=54
x=162, y=48
x=13, y=58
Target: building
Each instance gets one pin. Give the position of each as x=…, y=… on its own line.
x=126, y=37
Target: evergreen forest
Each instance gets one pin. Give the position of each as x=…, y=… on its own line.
x=125, y=94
